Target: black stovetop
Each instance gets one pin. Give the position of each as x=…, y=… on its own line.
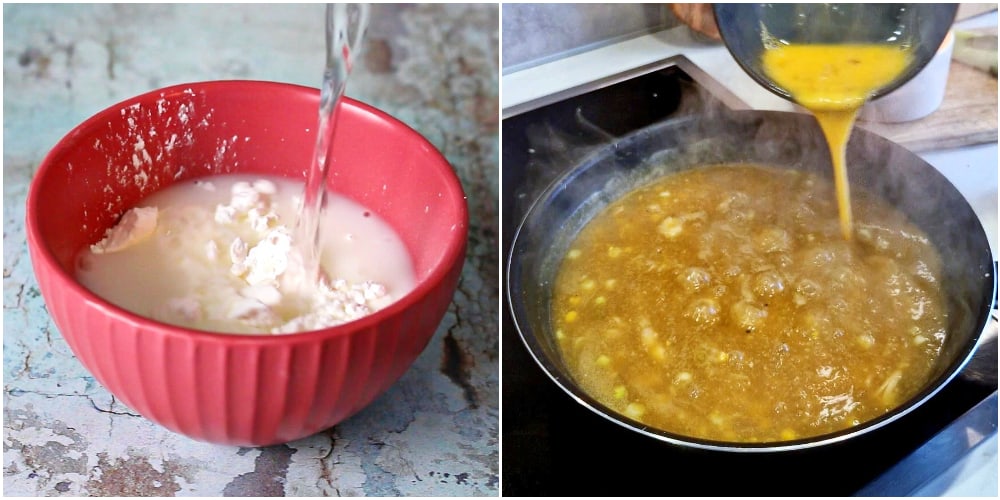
x=553, y=446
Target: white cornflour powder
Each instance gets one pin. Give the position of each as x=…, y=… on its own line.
x=217, y=254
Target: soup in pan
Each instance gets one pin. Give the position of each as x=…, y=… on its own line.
x=723, y=303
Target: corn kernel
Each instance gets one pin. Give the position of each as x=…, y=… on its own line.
x=683, y=377
x=574, y=300
x=671, y=227
x=716, y=418
x=658, y=352
x=614, y=252
x=560, y=335
x=588, y=285
x=600, y=300
x=647, y=336
x=620, y=392
x=788, y=434
x=603, y=360
x=574, y=253
x=572, y=316
x=609, y=284
x=635, y=410
x=866, y=340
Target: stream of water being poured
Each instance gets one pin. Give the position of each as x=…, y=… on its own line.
x=345, y=30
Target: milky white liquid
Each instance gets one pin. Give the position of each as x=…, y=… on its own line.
x=182, y=274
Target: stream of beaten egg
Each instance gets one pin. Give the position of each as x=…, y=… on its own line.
x=833, y=82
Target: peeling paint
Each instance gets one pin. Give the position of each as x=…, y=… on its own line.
x=135, y=476
x=268, y=476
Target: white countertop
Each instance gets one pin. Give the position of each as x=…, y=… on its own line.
x=972, y=169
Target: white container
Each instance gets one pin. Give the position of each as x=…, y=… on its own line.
x=918, y=97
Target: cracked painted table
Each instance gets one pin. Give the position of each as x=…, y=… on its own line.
x=435, y=432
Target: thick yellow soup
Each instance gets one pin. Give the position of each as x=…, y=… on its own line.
x=833, y=82
x=723, y=303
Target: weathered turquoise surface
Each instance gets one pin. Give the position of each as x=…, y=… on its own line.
x=435, y=433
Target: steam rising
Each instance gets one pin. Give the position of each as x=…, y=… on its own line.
x=597, y=166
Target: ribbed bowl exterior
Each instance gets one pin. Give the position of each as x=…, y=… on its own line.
x=243, y=393
x=242, y=389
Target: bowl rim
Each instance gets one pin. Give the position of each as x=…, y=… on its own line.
x=452, y=254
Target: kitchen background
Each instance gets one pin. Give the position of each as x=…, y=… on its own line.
x=435, y=432
x=537, y=33
x=553, y=52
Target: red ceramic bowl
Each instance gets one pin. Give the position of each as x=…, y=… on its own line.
x=242, y=389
